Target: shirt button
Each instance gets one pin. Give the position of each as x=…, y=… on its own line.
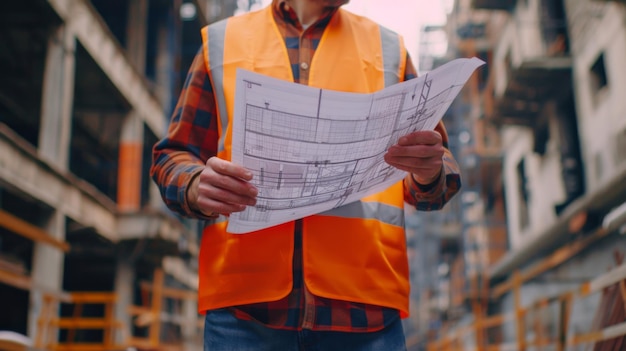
x=304, y=66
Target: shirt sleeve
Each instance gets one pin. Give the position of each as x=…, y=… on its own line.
x=190, y=141
x=431, y=197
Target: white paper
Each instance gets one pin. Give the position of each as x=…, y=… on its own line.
x=311, y=150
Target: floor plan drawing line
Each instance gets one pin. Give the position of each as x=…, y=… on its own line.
x=421, y=105
x=311, y=150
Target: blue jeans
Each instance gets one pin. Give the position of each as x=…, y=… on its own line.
x=224, y=332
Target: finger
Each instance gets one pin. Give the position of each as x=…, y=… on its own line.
x=428, y=137
x=425, y=175
x=228, y=176
x=415, y=165
x=228, y=183
x=206, y=190
x=228, y=168
x=231, y=194
x=418, y=151
x=213, y=206
x=423, y=172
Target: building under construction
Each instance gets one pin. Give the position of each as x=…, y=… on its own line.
x=89, y=257
x=541, y=265
x=528, y=257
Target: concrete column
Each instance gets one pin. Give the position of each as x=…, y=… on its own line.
x=57, y=98
x=124, y=284
x=136, y=32
x=164, y=62
x=190, y=312
x=190, y=332
x=47, y=269
x=163, y=90
x=130, y=164
x=131, y=141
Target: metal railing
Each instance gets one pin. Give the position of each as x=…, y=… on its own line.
x=615, y=279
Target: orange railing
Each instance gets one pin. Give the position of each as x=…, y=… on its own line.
x=50, y=324
x=151, y=315
x=563, y=340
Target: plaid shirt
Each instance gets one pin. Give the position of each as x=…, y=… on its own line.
x=192, y=139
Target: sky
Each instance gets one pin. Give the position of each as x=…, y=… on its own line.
x=403, y=16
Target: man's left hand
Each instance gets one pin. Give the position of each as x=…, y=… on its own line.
x=419, y=153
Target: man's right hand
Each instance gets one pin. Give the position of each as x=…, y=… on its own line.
x=222, y=188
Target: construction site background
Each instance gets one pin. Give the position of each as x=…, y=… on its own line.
x=533, y=257
x=529, y=256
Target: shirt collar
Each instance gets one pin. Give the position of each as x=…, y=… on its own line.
x=284, y=12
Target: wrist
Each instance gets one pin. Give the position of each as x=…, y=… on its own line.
x=426, y=181
x=192, y=195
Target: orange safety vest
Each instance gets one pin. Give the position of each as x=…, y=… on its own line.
x=356, y=252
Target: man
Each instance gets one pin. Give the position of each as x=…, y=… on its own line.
x=333, y=281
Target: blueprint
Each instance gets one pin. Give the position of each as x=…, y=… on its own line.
x=311, y=150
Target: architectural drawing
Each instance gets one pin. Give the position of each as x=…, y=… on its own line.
x=311, y=150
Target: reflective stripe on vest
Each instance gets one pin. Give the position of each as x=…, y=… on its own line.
x=354, y=55
x=216, y=33
x=369, y=210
